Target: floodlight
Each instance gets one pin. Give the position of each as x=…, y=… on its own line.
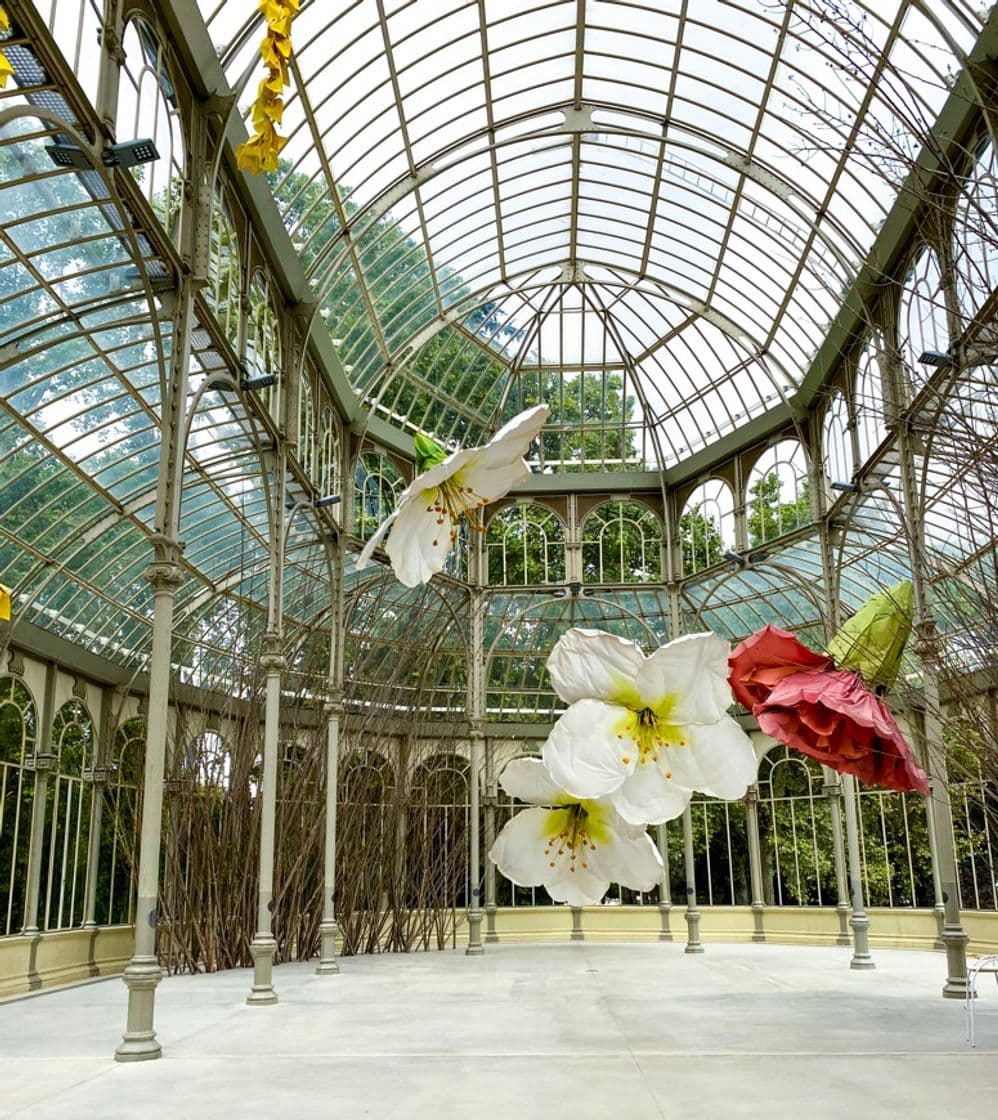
x=69, y=155
x=248, y=384
x=130, y=153
x=734, y=557
x=935, y=358
x=328, y=500
x=846, y=487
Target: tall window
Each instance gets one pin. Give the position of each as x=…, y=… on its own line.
x=868, y=400
x=224, y=289
x=707, y=525
x=923, y=325
x=18, y=731
x=263, y=343
x=622, y=543
x=526, y=544
x=378, y=484
x=836, y=444
x=976, y=235
x=778, y=492
x=306, y=423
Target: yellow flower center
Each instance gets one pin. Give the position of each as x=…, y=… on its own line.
x=650, y=731
x=575, y=832
x=455, y=499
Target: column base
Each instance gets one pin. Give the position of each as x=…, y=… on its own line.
x=491, y=937
x=262, y=949
x=665, y=933
x=758, y=928
x=861, y=958
x=955, y=939
x=138, y=1043
x=328, y=965
x=34, y=976
x=475, y=948
x=842, y=937
x=577, y=933
x=940, y=915
x=693, y=943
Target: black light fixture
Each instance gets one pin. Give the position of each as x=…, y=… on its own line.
x=328, y=500
x=248, y=384
x=733, y=557
x=935, y=358
x=130, y=153
x=846, y=487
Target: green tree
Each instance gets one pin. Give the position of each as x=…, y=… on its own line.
x=701, y=541
x=768, y=517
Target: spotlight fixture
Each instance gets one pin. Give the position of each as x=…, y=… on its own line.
x=846, y=487
x=935, y=358
x=560, y=593
x=733, y=557
x=328, y=500
x=248, y=384
x=130, y=153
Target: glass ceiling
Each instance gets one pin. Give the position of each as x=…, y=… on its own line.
x=660, y=204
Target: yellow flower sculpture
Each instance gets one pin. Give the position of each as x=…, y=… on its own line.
x=6, y=70
x=260, y=152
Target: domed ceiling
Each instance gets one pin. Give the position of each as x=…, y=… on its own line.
x=646, y=214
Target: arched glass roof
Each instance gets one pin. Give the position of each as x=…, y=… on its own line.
x=666, y=200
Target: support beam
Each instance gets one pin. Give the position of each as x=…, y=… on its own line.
x=665, y=887
x=755, y=863
x=859, y=922
x=693, y=943
x=328, y=965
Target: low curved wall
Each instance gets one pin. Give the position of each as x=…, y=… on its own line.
x=47, y=960
x=805, y=925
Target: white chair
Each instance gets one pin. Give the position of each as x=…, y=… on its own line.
x=983, y=964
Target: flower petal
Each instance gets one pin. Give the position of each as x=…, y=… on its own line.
x=630, y=859
x=379, y=535
x=648, y=797
x=583, y=753
x=687, y=679
x=514, y=438
x=519, y=850
x=595, y=665
x=759, y=663
x=419, y=542
x=527, y=779
x=582, y=887
x=491, y=481
x=719, y=760
x=431, y=479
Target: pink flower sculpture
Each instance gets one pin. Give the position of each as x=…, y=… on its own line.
x=799, y=698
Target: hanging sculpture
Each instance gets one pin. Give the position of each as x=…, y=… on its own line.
x=448, y=487
x=574, y=848
x=6, y=70
x=645, y=732
x=4, y=603
x=261, y=151
x=824, y=705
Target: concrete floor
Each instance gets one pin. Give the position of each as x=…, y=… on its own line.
x=580, y=1031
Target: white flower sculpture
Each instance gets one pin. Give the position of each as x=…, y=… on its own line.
x=645, y=732
x=574, y=848
x=424, y=524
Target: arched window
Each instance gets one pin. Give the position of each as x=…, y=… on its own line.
x=798, y=863
x=923, y=325
x=778, y=493
x=707, y=525
x=224, y=289
x=976, y=235
x=378, y=484
x=328, y=474
x=439, y=823
x=622, y=543
x=306, y=423
x=18, y=731
x=148, y=110
x=836, y=444
x=525, y=544
x=120, y=825
x=868, y=401
x=263, y=343
x=364, y=830
x=65, y=867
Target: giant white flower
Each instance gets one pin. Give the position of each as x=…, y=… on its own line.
x=645, y=732
x=424, y=523
x=574, y=848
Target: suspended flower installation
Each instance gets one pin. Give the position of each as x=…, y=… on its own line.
x=824, y=705
x=4, y=603
x=447, y=488
x=261, y=151
x=645, y=732
x=573, y=848
x=6, y=70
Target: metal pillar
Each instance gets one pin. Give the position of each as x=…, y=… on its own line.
x=859, y=922
x=475, y=947
x=42, y=763
x=693, y=944
x=577, y=933
x=143, y=973
x=665, y=887
x=263, y=946
x=755, y=862
x=327, y=926
x=491, y=799
x=97, y=776
x=833, y=791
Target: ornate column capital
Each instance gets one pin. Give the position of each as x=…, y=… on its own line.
x=97, y=775
x=164, y=573
x=751, y=795
x=272, y=658
x=42, y=762
x=333, y=704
